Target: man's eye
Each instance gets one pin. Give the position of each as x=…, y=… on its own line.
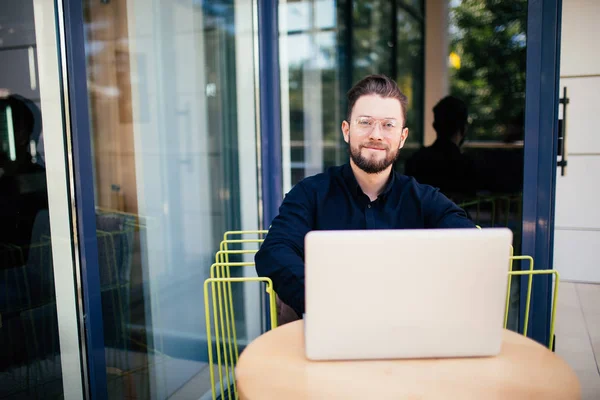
x=364, y=122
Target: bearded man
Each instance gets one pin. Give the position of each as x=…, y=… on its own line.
x=365, y=193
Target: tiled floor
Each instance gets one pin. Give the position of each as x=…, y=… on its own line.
x=133, y=375
x=578, y=333
x=196, y=388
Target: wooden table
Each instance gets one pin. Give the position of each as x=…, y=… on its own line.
x=274, y=367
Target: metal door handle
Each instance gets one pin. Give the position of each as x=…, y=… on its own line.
x=562, y=134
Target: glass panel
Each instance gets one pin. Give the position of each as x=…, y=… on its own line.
x=487, y=71
x=33, y=352
x=489, y=41
x=172, y=100
x=410, y=54
x=477, y=158
x=297, y=16
x=29, y=326
x=373, y=37
x=325, y=14
x=325, y=47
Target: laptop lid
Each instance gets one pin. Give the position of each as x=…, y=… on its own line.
x=375, y=294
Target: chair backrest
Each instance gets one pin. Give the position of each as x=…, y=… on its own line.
x=220, y=318
x=114, y=233
x=499, y=210
x=115, y=247
x=530, y=273
x=220, y=312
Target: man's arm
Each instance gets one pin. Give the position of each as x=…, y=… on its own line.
x=441, y=212
x=281, y=256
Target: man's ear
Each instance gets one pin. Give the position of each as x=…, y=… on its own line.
x=403, y=137
x=346, y=130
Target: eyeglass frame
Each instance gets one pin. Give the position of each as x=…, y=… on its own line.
x=380, y=122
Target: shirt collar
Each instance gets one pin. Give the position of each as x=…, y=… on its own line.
x=352, y=183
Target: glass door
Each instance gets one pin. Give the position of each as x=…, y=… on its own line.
x=172, y=115
x=39, y=324
x=325, y=47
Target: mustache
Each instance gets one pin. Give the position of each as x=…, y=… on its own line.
x=379, y=146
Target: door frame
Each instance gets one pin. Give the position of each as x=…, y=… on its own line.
x=540, y=155
x=85, y=209
x=541, y=125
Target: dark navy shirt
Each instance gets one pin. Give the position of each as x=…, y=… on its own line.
x=333, y=200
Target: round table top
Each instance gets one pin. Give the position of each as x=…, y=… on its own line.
x=274, y=367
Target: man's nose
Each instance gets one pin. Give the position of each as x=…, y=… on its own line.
x=376, y=132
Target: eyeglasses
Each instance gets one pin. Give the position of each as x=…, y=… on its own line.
x=387, y=125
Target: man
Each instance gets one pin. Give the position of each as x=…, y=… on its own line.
x=442, y=164
x=366, y=193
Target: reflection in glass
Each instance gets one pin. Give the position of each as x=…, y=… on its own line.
x=487, y=71
x=326, y=46
x=172, y=114
x=30, y=361
x=487, y=66
x=487, y=57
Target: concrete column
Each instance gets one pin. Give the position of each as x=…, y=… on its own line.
x=436, y=61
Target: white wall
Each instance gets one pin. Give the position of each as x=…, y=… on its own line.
x=580, y=32
x=577, y=232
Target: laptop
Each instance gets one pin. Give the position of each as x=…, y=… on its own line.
x=389, y=294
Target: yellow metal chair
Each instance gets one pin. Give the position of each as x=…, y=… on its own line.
x=531, y=273
x=498, y=206
x=223, y=317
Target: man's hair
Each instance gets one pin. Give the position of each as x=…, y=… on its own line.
x=450, y=115
x=379, y=85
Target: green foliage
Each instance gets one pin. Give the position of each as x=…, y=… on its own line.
x=489, y=38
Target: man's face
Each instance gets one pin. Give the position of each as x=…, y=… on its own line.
x=375, y=133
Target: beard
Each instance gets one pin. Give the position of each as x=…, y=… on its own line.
x=368, y=164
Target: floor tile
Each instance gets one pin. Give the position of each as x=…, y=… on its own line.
x=570, y=320
x=589, y=296
x=590, y=385
x=575, y=314
x=567, y=294
x=195, y=387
